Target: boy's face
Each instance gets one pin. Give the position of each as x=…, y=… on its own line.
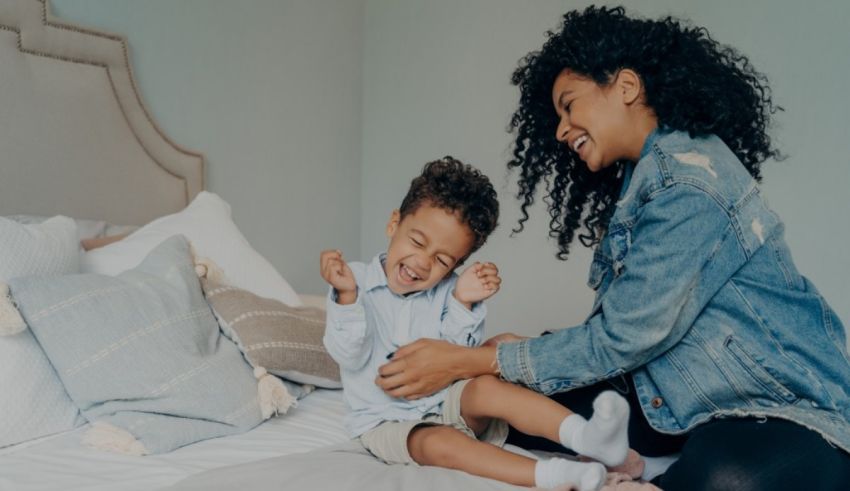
x=424, y=247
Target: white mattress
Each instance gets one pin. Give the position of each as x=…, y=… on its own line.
x=60, y=462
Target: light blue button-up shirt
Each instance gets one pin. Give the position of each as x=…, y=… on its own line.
x=361, y=335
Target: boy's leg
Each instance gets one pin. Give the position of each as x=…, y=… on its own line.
x=487, y=397
x=604, y=437
x=448, y=447
x=642, y=437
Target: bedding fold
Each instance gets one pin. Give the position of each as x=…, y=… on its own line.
x=348, y=466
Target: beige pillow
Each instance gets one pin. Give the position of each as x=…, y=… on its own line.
x=286, y=341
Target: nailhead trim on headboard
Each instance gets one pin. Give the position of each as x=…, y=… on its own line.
x=126, y=68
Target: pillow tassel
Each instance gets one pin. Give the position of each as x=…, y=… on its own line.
x=207, y=268
x=11, y=321
x=274, y=398
x=108, y=437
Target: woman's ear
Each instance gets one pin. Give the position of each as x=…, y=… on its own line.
x=392, y=225
x=629, y=84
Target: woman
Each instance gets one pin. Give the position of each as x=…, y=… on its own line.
x=652, y=135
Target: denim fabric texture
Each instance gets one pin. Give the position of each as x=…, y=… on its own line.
x=698, y=297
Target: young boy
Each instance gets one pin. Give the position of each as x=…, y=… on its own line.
x=412, y=292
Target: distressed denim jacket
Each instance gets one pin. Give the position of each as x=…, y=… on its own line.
x=698, y=298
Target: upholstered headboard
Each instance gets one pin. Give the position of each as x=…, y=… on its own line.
x=75, y=137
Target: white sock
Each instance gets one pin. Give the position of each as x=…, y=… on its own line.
x=550, y=473
x=605, y=437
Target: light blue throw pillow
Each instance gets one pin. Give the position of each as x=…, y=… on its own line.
x=33, y=402
x=142, y=352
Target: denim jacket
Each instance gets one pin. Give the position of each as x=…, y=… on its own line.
x=698, y=298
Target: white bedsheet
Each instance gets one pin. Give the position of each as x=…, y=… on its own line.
x=61, y=462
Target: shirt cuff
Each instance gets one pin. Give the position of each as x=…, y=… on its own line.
x=515, y=363
x=465, y=316
x=342, y=314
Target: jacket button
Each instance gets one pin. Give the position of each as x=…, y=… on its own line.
x=656, y=402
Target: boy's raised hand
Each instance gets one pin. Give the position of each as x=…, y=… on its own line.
x=477, y=282
x=337, y=273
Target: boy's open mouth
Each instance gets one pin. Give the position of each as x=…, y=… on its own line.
x=406, y=275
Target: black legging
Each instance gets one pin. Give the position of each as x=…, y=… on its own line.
x=736, y=454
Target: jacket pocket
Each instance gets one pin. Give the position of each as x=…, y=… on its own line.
x=758, y=373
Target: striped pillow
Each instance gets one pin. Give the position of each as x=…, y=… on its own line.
x=141, y=353
x=286, y=341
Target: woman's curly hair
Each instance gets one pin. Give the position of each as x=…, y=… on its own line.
x=451, y=185
x=691, y=82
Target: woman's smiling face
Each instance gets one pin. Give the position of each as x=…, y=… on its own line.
x=592, y=119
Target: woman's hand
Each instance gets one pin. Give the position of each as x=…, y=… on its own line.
x=426, y=366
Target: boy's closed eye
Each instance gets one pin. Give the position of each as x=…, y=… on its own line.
x=445, y=262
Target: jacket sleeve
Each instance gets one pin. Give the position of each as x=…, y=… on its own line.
x=680, y=251
x=348, y=338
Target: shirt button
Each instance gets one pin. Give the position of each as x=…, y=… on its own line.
x=656, y=402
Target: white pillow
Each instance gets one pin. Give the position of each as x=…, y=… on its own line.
x=208, y=225
x=33, y=402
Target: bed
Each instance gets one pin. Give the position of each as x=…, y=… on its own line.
x=60, y=462
x=77, y=140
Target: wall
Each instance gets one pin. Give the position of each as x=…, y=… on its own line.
x=436, y=82
x=270, y=92
x=296, y=102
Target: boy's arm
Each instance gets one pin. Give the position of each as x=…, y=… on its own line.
x=461, y=325
x=464, y=312
x=347, y=336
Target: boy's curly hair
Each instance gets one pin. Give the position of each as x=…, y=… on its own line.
x=691, y=82
x=451, y=185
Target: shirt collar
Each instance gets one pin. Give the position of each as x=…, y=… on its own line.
x=629, y=167
x=376, y=277
x=653, y=136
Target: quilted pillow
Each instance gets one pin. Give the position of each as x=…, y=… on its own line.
x=286, y=341
x=33, y=402
x=85, y=228
x=141, y=353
